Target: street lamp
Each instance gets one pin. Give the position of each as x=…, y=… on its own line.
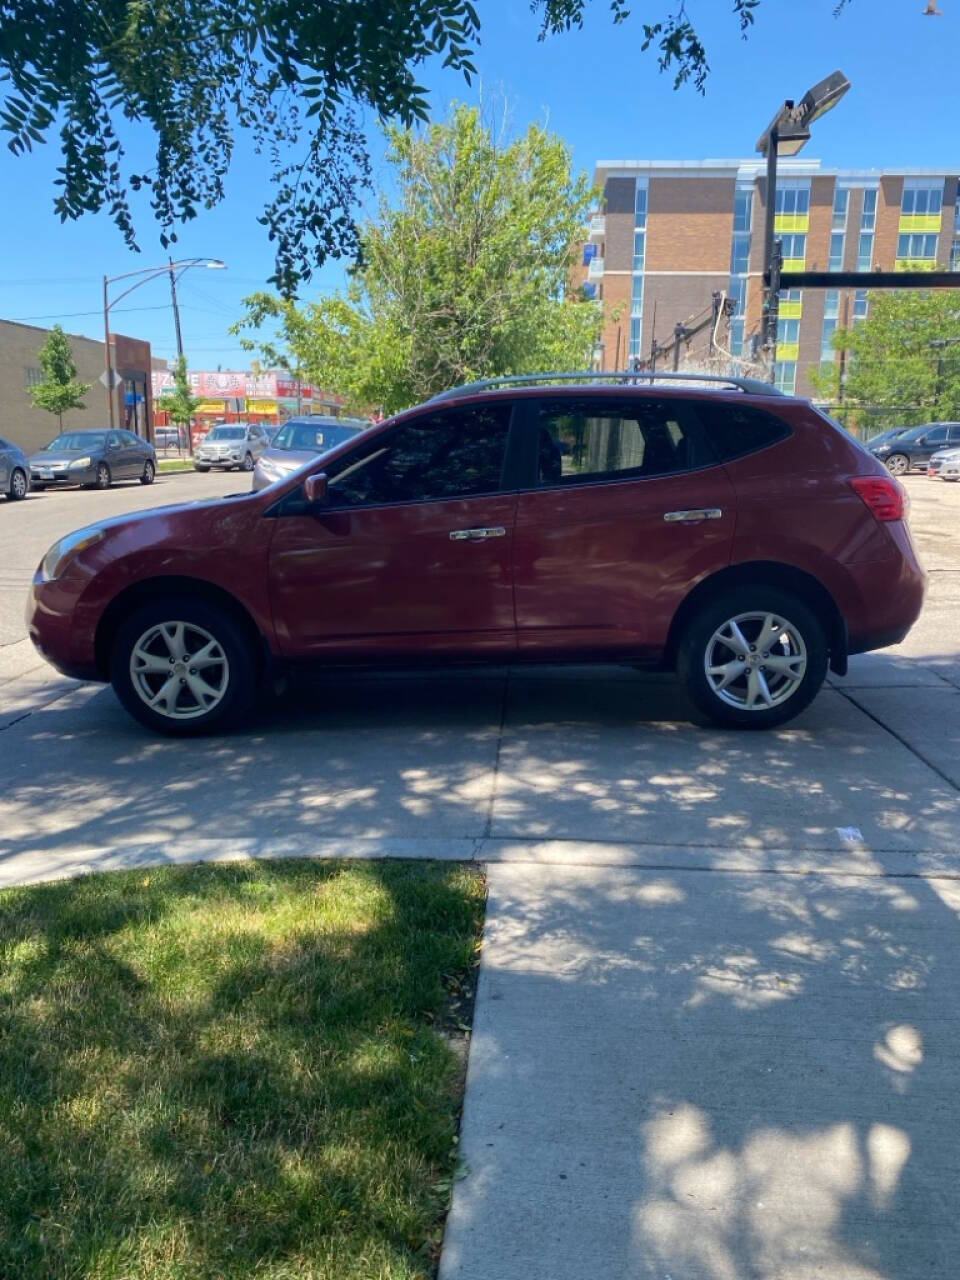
x=147, y=273
x=787, y=133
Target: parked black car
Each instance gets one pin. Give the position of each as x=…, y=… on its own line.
x=913, y=449
x=94, y=459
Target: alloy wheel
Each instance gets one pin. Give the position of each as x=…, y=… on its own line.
x=897, y=464
x=179, y=670
x=755, y=661
x=18, y=484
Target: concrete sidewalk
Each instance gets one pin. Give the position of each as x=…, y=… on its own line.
x=711, y=1076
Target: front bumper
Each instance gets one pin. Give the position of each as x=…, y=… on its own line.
x=62, y=478
x=53, y=630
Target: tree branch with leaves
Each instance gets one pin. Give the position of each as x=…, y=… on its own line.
x=59, y=389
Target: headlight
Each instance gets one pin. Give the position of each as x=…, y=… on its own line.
x=57, y=558
x=79, y=464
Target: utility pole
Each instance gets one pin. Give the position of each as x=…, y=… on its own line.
x=176, y=310
x=106, y=351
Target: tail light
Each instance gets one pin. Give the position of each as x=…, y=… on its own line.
x=886, y=499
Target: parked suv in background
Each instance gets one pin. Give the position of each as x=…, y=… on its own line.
x=735, y=535
x=14, y=471
x=913, y=449
x=299, y=440
x=238, y=445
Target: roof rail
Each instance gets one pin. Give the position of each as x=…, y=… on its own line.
x=751, y=386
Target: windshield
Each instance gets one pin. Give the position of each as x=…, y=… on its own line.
x=74, y=440
x=227, y=433
x=315, y=437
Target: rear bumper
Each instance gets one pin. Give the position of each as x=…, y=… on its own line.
x=891, y=595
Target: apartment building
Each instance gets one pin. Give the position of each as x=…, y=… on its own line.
x=672, y=234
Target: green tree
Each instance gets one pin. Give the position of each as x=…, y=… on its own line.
x=296, y=81
x=902, y=361
x=465, y=276
x=180, y=403
x=60, y=388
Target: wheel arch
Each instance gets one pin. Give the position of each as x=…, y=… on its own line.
x=149, y=589
x=769, y=573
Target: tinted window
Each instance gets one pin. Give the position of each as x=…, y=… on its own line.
x=115, y=440
x=937, y=436
x=954, y=434
x=735, y=429
x=582, y=441
x=444, y=455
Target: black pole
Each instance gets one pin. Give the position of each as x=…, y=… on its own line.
x=176, y=310
x=770, y=213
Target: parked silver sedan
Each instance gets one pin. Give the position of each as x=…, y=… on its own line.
x=14, y=470
x=237, y=445
x=94, y=459
x=298, y=441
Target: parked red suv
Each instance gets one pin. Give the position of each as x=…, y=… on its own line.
x=726, y=531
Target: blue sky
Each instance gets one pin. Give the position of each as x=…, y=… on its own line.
x=594, y=87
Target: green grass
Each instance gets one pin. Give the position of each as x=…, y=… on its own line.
x=174, y=464
x=231, y=1071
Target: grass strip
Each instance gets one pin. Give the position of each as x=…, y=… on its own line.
x=232, y=1071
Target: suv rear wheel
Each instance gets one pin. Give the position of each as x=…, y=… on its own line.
x=753, y=657
x=183, y=667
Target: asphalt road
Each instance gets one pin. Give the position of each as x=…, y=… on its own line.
x=28, y=528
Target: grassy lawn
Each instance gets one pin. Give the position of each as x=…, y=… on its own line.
x=232, y=1071
x=174, y=464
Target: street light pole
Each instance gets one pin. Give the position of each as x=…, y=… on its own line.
x=771, y=310
x=106, y=351
x=176, y=311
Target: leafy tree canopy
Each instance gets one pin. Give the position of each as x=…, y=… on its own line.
x=59, y=389
x=464, y=277
x=297, y=79
x=902, y=363
x=180, y=403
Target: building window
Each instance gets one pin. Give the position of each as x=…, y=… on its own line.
x=831, y=314
x=639, y=249
x=641, y=203
x=743, y=209
x=636, y=296
x=32, y=376
x=955, y=256
x=740, y=258
x=860, y=306
x=841, y=202
x=788, y=332
x=917, y=247
x=792, y=200
x=791, y=295
x=837, y=239
x=865, y=251
x=636, y=327
x=922, y=200
x=794, y=246
x=868, y=219
x=785, y=376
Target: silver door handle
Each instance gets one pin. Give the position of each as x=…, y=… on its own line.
x=477, y=535
x=693, y=517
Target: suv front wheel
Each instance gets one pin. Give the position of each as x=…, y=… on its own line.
x=753, y=657
x=183, y=667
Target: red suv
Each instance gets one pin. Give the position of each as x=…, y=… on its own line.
x=728, y=532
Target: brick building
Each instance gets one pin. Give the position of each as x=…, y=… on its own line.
x=672, y=234
x=20, y=368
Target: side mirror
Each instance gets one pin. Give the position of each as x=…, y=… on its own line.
x=315, y=489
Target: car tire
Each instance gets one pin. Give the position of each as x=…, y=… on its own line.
x=717, y=670
x=898, y=464
x=197, y=467
x=149, y=473
x=18, y=485
x=152, y=636
x=248, y=463
x=104, y=478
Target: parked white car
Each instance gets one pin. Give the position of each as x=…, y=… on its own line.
x=238, y=445
x=945, y=464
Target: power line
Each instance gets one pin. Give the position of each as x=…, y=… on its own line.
x=72, y=315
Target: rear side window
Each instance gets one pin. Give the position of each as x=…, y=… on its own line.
x=584, y=441
x=734, y=430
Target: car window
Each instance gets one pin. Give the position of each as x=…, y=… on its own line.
x=4, y=444
x=935, y=437
x=953, y=434
x=455, y=454
x=583, y=441
x=734, y=430
x=115, y=440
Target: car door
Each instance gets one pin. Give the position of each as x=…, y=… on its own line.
x=627, y=510
x=928, y=444
x=118, y=455
x=413, y=553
